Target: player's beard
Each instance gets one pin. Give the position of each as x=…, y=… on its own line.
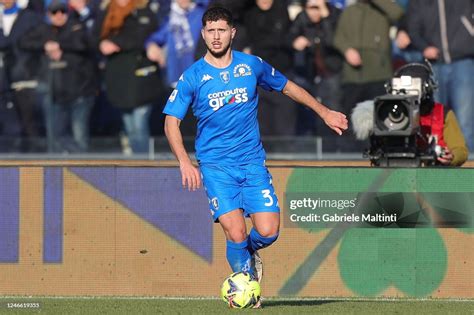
x=221, y=53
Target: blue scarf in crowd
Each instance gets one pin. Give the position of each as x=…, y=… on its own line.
x=179, y=27
x=14, y=9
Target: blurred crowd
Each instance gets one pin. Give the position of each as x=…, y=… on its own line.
x=75, y=69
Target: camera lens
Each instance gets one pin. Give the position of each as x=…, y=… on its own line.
x=396, y=115
x=393, y=116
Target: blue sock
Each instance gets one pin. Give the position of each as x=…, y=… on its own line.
x=257, y=241
x=238, y=256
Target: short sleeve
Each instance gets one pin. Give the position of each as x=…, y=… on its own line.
x=180, y=99
x=270, y=78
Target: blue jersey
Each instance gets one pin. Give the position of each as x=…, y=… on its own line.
x=225, y=101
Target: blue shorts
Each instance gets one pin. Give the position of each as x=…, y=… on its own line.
x=247, y=187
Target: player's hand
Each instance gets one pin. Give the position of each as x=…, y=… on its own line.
x=190, y=176
x=336, y=121
x=446, y=158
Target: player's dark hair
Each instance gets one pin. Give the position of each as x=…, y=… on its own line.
x=217, y=13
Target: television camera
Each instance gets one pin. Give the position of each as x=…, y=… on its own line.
x=394, y=129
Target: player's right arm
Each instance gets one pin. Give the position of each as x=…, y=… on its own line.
x=175, y=110
x=190, y=176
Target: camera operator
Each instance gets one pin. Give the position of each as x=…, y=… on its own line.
x=436, y=132
x=438, y=121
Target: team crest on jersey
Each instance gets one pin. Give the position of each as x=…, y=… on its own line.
x=242, y=70
x=225, y=76
x=215, y=203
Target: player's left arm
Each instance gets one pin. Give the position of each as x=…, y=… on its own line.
x=335, y=120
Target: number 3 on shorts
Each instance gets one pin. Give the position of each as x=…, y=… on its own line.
x=266, y=195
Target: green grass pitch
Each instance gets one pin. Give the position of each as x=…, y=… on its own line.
x=71, y=305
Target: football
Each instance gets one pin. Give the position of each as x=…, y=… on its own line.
x=240, y=290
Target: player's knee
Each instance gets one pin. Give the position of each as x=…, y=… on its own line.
x=268, y=231
x=267, y=224
x=236, y=235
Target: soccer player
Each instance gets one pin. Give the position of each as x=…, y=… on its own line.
x=221, y=88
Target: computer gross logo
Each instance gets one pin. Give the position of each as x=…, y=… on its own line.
x=219, y=99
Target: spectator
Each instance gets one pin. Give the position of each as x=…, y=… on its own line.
x=179, y=34
x=131, y=80
x=81, y=11
x=317, y=62
x=19, y=69
x=445, y=34
x=69, y=76
x=163, y=9
x=362, y=36
x=38, y=6
x=403, y=51
x=267, y=25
